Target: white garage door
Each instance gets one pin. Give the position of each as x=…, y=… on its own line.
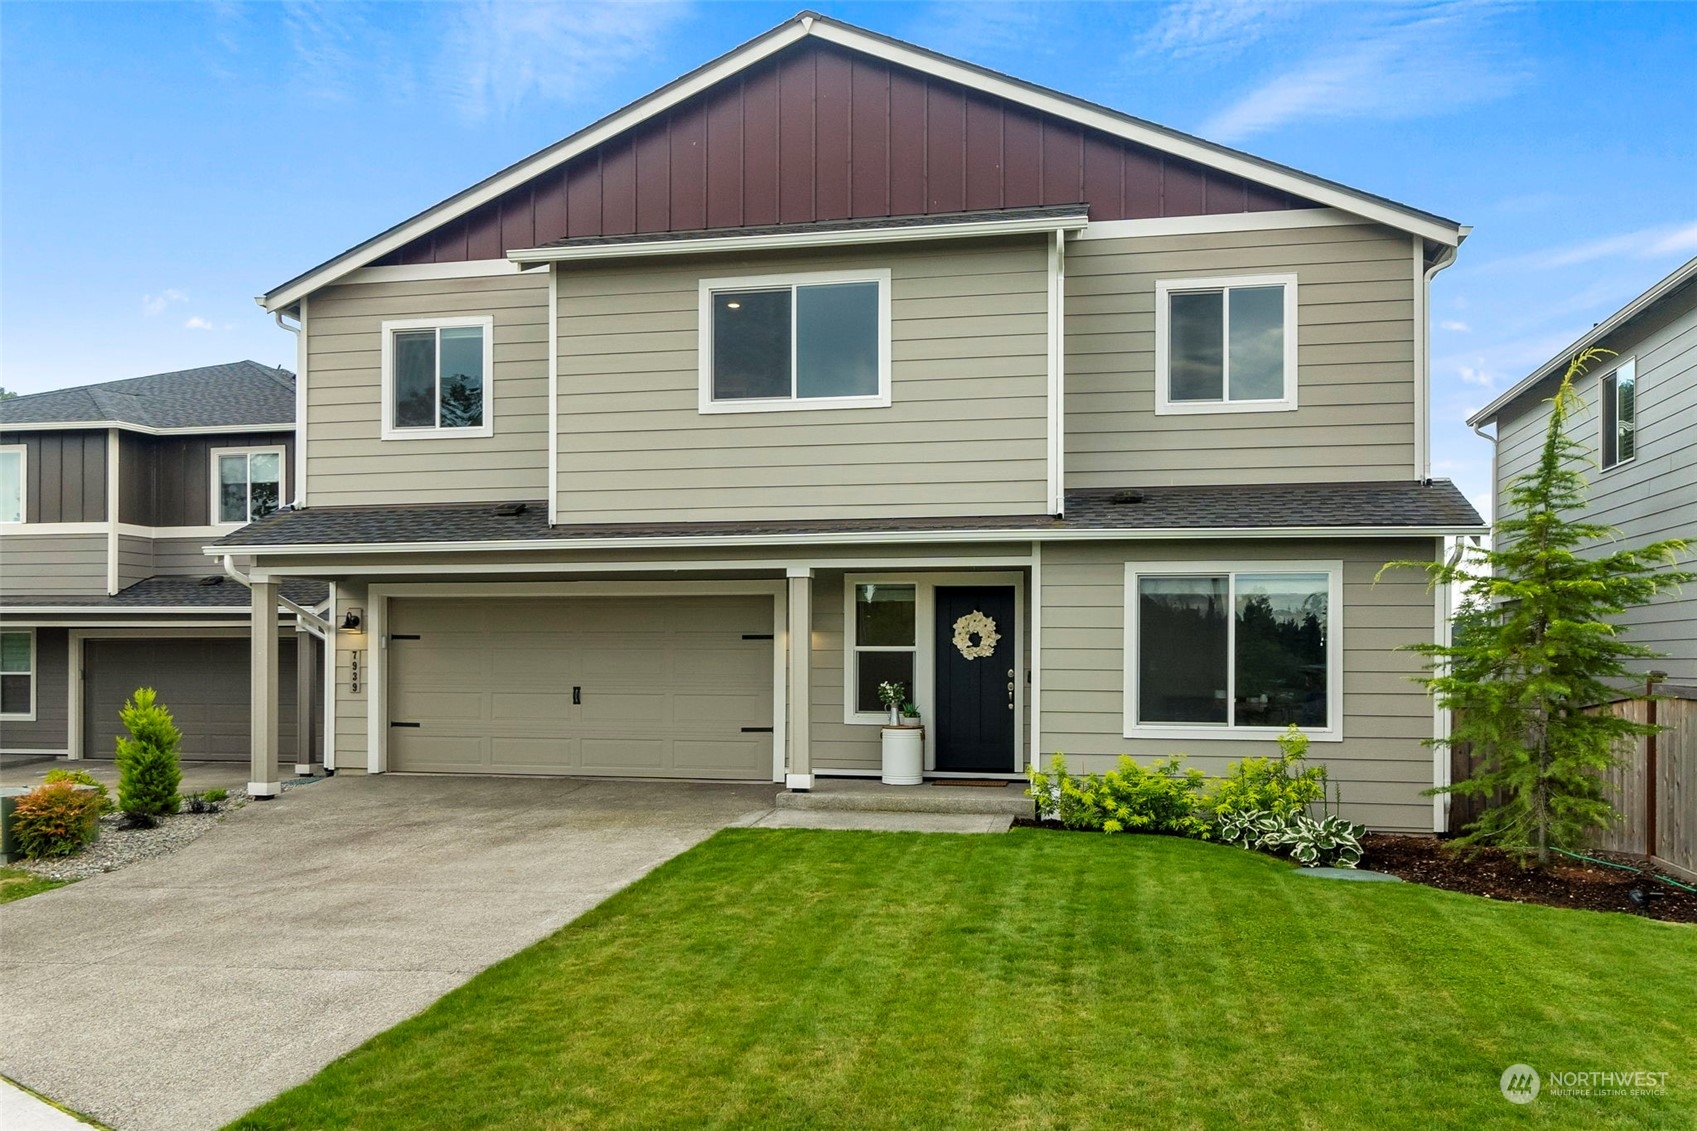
x=637, y=687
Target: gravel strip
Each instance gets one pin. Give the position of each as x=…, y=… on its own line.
x=116, y=847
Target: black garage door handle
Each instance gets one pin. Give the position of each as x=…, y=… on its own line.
x=757, y=730
x=414, y=725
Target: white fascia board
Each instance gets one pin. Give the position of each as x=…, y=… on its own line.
x=839, y=538
x=1143, y=133
x=1193, y=149
x=1681, y=275
x=236, y=615
x=1221, y=222
x=899, y=233
x=143, y=429
x=560, y=152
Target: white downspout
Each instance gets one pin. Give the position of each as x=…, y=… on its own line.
x=299, y=499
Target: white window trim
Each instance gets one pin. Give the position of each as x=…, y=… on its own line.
x=923, y=604
x=23, y=483
x=1164, y=289
x=924, y=691
x=215, y=484
x=1627, y=365
x=34, y=680
x=1331, y=732
x=484, y=430
x=704, y=336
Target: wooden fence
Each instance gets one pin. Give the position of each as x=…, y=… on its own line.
x=1628, y=785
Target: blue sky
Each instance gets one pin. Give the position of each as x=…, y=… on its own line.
x=162, y=164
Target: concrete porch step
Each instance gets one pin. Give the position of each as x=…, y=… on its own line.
x=871, y=796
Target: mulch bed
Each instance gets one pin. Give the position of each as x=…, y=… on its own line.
x=1495, y=875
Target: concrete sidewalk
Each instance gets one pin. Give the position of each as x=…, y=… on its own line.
x=178, y=993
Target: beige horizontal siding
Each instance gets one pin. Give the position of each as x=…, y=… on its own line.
x=64, y=564
x=1355, y=361
x=1650, y=498
x=348, y=463
x=1380, y=766
x=352, y=710
x=965, y=433
x=183, y=556
x=135, y=559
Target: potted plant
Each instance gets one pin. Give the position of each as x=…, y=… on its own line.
x=903, y=738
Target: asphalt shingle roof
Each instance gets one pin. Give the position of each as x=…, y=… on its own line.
x=1388, y=506
x=178, y=592
x=214, y=396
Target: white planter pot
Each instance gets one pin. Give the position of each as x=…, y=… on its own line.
x=904, y=755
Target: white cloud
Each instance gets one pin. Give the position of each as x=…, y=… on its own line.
x=499, y=54
x=1455, y=327
x=152, y=305
x=1214, y=29
x=197, y=323
x=1645, y=243
x=987, y=31
x=1384, y=62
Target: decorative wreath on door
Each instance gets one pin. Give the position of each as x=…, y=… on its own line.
x=976, y=624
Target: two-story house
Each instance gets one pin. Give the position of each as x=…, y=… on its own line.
x=838, y=362
x=108, y=493
x=1639, y=421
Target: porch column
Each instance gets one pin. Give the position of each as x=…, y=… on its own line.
x=800, y=774
x=262, y=696
x=306, y=684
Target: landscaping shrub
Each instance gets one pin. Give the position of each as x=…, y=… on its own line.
x=1281, y=786
x=1313, y=842
x=83, y=777
x=55, y=819
x=1160, y=798
x=148, y=769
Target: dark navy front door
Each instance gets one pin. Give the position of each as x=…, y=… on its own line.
x=977, y=670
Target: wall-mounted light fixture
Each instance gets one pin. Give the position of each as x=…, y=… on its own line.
x=352, y=620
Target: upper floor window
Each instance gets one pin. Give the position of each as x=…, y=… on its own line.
x=1620, y=413
x=1238, y=649
x=1225, y=345
x=12, y=463
x=774, y=342
x=17, y=673
x=436, y=377
x=247, y=483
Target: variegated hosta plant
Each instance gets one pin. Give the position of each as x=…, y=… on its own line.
x=1312, y=842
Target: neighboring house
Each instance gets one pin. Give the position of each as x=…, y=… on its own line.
x=1640, y=424
x=838, y=361
x=108, y=494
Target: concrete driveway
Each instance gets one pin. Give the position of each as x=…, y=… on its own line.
x=178, y=993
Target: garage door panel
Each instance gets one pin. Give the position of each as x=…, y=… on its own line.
x=623, y=755
x=529, y=755
x=203, y=681
x=667, y=684
x=722, y=758
x=525, y=706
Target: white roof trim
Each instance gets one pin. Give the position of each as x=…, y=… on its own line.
x=1679, y=277
x=847, y=537
x=144, y=429
x=889, y=233
x=794, y=30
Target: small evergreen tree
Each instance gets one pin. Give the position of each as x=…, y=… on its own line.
x=1533, y=649
x=148, y=768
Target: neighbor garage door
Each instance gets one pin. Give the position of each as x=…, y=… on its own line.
x=203, y=681
x=640, y=687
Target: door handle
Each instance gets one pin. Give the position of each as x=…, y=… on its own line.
x=577, y=696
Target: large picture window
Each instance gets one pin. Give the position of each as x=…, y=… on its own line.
x=436, y=378
x=1619, y=394
x=17, y=674
x=1225, y=345
x=801, y=341
x=1228, y=649
x=247, y=483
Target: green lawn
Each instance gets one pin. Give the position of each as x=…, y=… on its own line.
x=15, y=883
x=814, y=979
